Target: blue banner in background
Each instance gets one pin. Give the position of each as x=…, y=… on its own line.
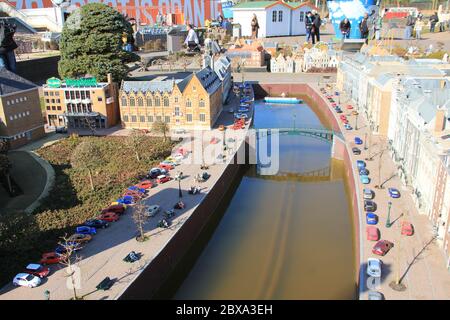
x=353, y=10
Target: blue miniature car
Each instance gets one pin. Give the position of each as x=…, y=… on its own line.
x=371, y=218
x=125, y=200
x=360, y=164
x=394, y=193
x=347, y=126
x=86, y=230
x=134, y=188
x=364, y=179
x=358, y=140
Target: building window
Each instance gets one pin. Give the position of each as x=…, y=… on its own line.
x=53, y=108
x=48, y=107
x=202, y=117
x=166, y=102
x=176, y=99
x=51, y=93
x=280, y=16
x=157, y=102
x=57, y=100
x=302, y=16
x=177, y=111
x=83, y=95
x=189, y=117
x=25, y=98
x=274, y=16
x=140, y=102
x=188, y=103
x=28, y=113
x=166, y=119
x=132, y=102
x=158, y=118
x=150, y=118
x=124, y=102
x=133, y=119
x=58, y=107
x=149, y=101
x=67, y=94
x=201, y=103
x=99, y=99
x=56, y=94
x=45, y=93
x=125, y=118
x=142, y=118
x=46, y=101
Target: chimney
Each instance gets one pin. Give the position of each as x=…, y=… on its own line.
x=110, y=79
x=439, y=121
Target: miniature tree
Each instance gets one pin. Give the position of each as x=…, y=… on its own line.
x=87, y=156
x=5, y=166
x=161, y=127
x=70, y=259
x=139, y=218
x=92, y=41
x=135, y=139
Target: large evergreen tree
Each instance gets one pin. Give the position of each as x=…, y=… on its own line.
x=91, y=43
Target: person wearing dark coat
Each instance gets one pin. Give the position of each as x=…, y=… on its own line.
x=308, y=26
x=433, y=20
x=345, y=27
x=315, y=31
x=364, y=28
x=7, y=46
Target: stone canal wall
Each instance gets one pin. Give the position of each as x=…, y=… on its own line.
x=340, y=151
x=156, y=275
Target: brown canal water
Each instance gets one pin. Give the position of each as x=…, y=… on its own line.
x=282, y=237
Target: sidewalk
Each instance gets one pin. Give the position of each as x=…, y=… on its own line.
x=417, y=260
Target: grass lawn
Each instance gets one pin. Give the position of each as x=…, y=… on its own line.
x=23, y=238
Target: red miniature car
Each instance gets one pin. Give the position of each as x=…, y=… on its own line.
x=343, y=117
x=50, y=258
x=382, y=247
x=109, y=217
x=407, y=228
x=373, y=234
x=146, y=184
x=37, y=270
x=163, y=178
x=166, y=166
x=118, y=208
x=334, y=104
x=349, y=107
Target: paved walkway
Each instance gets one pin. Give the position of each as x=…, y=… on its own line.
x=417, y=260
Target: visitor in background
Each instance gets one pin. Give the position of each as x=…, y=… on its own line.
x=364, y=28
x=433, y=20
x=410, y=22
x=345, y=27
x=316, y=26
x=378, y=26
x=308, y=26
x=7, y=46
x=418, y=28
x=192, y=38
x=255, y=27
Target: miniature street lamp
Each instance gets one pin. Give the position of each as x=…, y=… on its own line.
x=365, y=141
x=388, y=221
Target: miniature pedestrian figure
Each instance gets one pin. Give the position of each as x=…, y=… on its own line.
x=255, y=27
x=410, y=22
x=47, y=294
x=364, y=28
x=418, y=28
x=345, y=28
x=433, y=20
x=309, y=26
x=377, y=27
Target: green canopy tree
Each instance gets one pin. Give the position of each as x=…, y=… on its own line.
x=91, y=43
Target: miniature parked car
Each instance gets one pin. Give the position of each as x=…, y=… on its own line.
x=407, y=229
x=356, y=151
x=364, y=172
x=347, y=126
x=370, y=205
x=137, y=189
x=163, y=223
x=96, y=223
x=154, y=172
x=364, y=179
x=50, y=258
x=163, y=179
x=109, y=217
x=115, y=203
x=394, y=193
x=119, y=209
x=375, y=295
x=371, y=218
x=355, y=113
x=368, y=194
x=80, y=238
x=360, y=164
x=373, y=234
x=146, y=184
x=374, y=267
x=153, y=210
x=349, y=107
x=358, y=140
x=37, y=269
x=26, y=280
x=342, y=117
x=125, y=200
x=167, y=166
x=62, y=249
x=338, y=110
x=86, y=230
x=169, y=214
x=382, y=247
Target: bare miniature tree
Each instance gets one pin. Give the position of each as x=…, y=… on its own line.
x=139, y=218
x=135, y=139
x=5, y=167
x=70, y=259
x=161, y=127
x=87, y=156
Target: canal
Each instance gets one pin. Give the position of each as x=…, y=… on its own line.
x=287, y=236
